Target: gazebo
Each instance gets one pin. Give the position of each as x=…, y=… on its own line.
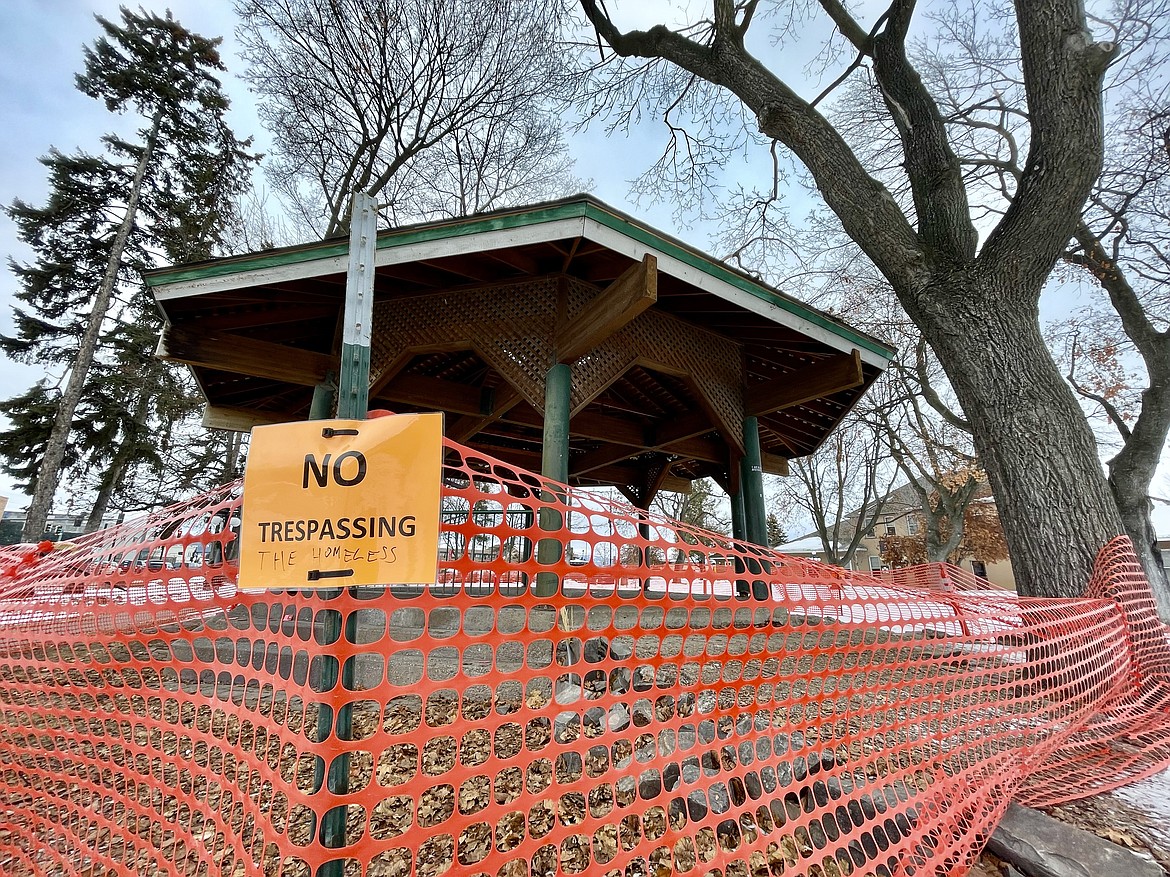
x=565, y=337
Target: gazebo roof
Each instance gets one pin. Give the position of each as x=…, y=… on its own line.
x=669, y=347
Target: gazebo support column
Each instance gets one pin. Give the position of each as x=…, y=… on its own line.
x=739, y=533
x=751, y=480
x=554, y=465
x=555, y=449
x=321, y=408
x=752, y=484
x=738, y=516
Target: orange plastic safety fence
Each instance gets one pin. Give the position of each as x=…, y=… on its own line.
x=585, y=687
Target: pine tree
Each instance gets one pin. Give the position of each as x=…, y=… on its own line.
x=776, y=533
x=167, y=190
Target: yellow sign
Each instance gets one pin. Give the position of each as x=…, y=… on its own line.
x=329, y=503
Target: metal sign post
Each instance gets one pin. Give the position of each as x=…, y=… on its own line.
x=353, y=397
x=354, y=386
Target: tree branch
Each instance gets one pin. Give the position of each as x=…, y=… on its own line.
x=1063, y=70
x=931, y=395
x=867, y=210
x=936, y=178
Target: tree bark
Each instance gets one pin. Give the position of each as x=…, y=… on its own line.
x=50, y=469
x=1035, y=444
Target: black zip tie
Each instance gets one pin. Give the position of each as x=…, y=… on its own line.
x=318, y=574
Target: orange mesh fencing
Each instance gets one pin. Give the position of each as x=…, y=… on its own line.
x=584, y=688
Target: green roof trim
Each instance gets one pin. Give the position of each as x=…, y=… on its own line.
x=578, y=207
x=387, y=239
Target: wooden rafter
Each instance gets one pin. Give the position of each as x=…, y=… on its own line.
x=522, y=262
x=460, y=267
x=617, y=474
x=774, y=464
x=813, y=381
x=503, y=400
x=689, y=426
x=437, y=394
x=387, y=373
x=269, y=316
x=653, y=481
x=240, y=419
x=614, y=307
x=620, y=431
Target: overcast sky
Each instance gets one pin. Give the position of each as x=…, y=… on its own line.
x=40, y=52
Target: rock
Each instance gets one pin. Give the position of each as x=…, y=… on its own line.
x=1040, y=846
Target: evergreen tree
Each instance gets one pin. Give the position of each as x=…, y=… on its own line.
x=169, y=190
x=776, y=533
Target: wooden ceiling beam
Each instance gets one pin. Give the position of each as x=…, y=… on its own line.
x=516, y=260
x=405, y=357
x=504, y=399
x=625, y=298
x=703, y=450
x=407, y=272
x=658, y=483
x=620, y=431
x=604, y=456
x=616, y=474
x=774, y=464
x=240, y=419
x=246, y=356
x=458, y=266
x=813, y=381
x=268, y=317
x=436, y=394
x=689, y=426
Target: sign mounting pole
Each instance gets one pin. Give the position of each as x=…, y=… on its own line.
x=354, y=393
x=353, y=397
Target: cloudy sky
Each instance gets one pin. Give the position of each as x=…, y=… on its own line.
x=40, y=51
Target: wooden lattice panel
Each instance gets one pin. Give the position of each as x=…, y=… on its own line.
x=510, y=326
x=713, y=362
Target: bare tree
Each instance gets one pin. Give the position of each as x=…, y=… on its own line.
x=842, y=487
x=701, y=507
x=437, y=107
x=935, y=454
x=1123, y=242
x=968, y=276
x=912, y=410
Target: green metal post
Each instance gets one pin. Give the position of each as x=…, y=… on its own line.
x=738, y=516
x=751, y=482
x=352, y=404
x=321, y=408
x=555, y=466
x=554, y=461
x=739, y=533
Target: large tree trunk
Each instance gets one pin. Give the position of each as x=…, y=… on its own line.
x=1040, y=456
